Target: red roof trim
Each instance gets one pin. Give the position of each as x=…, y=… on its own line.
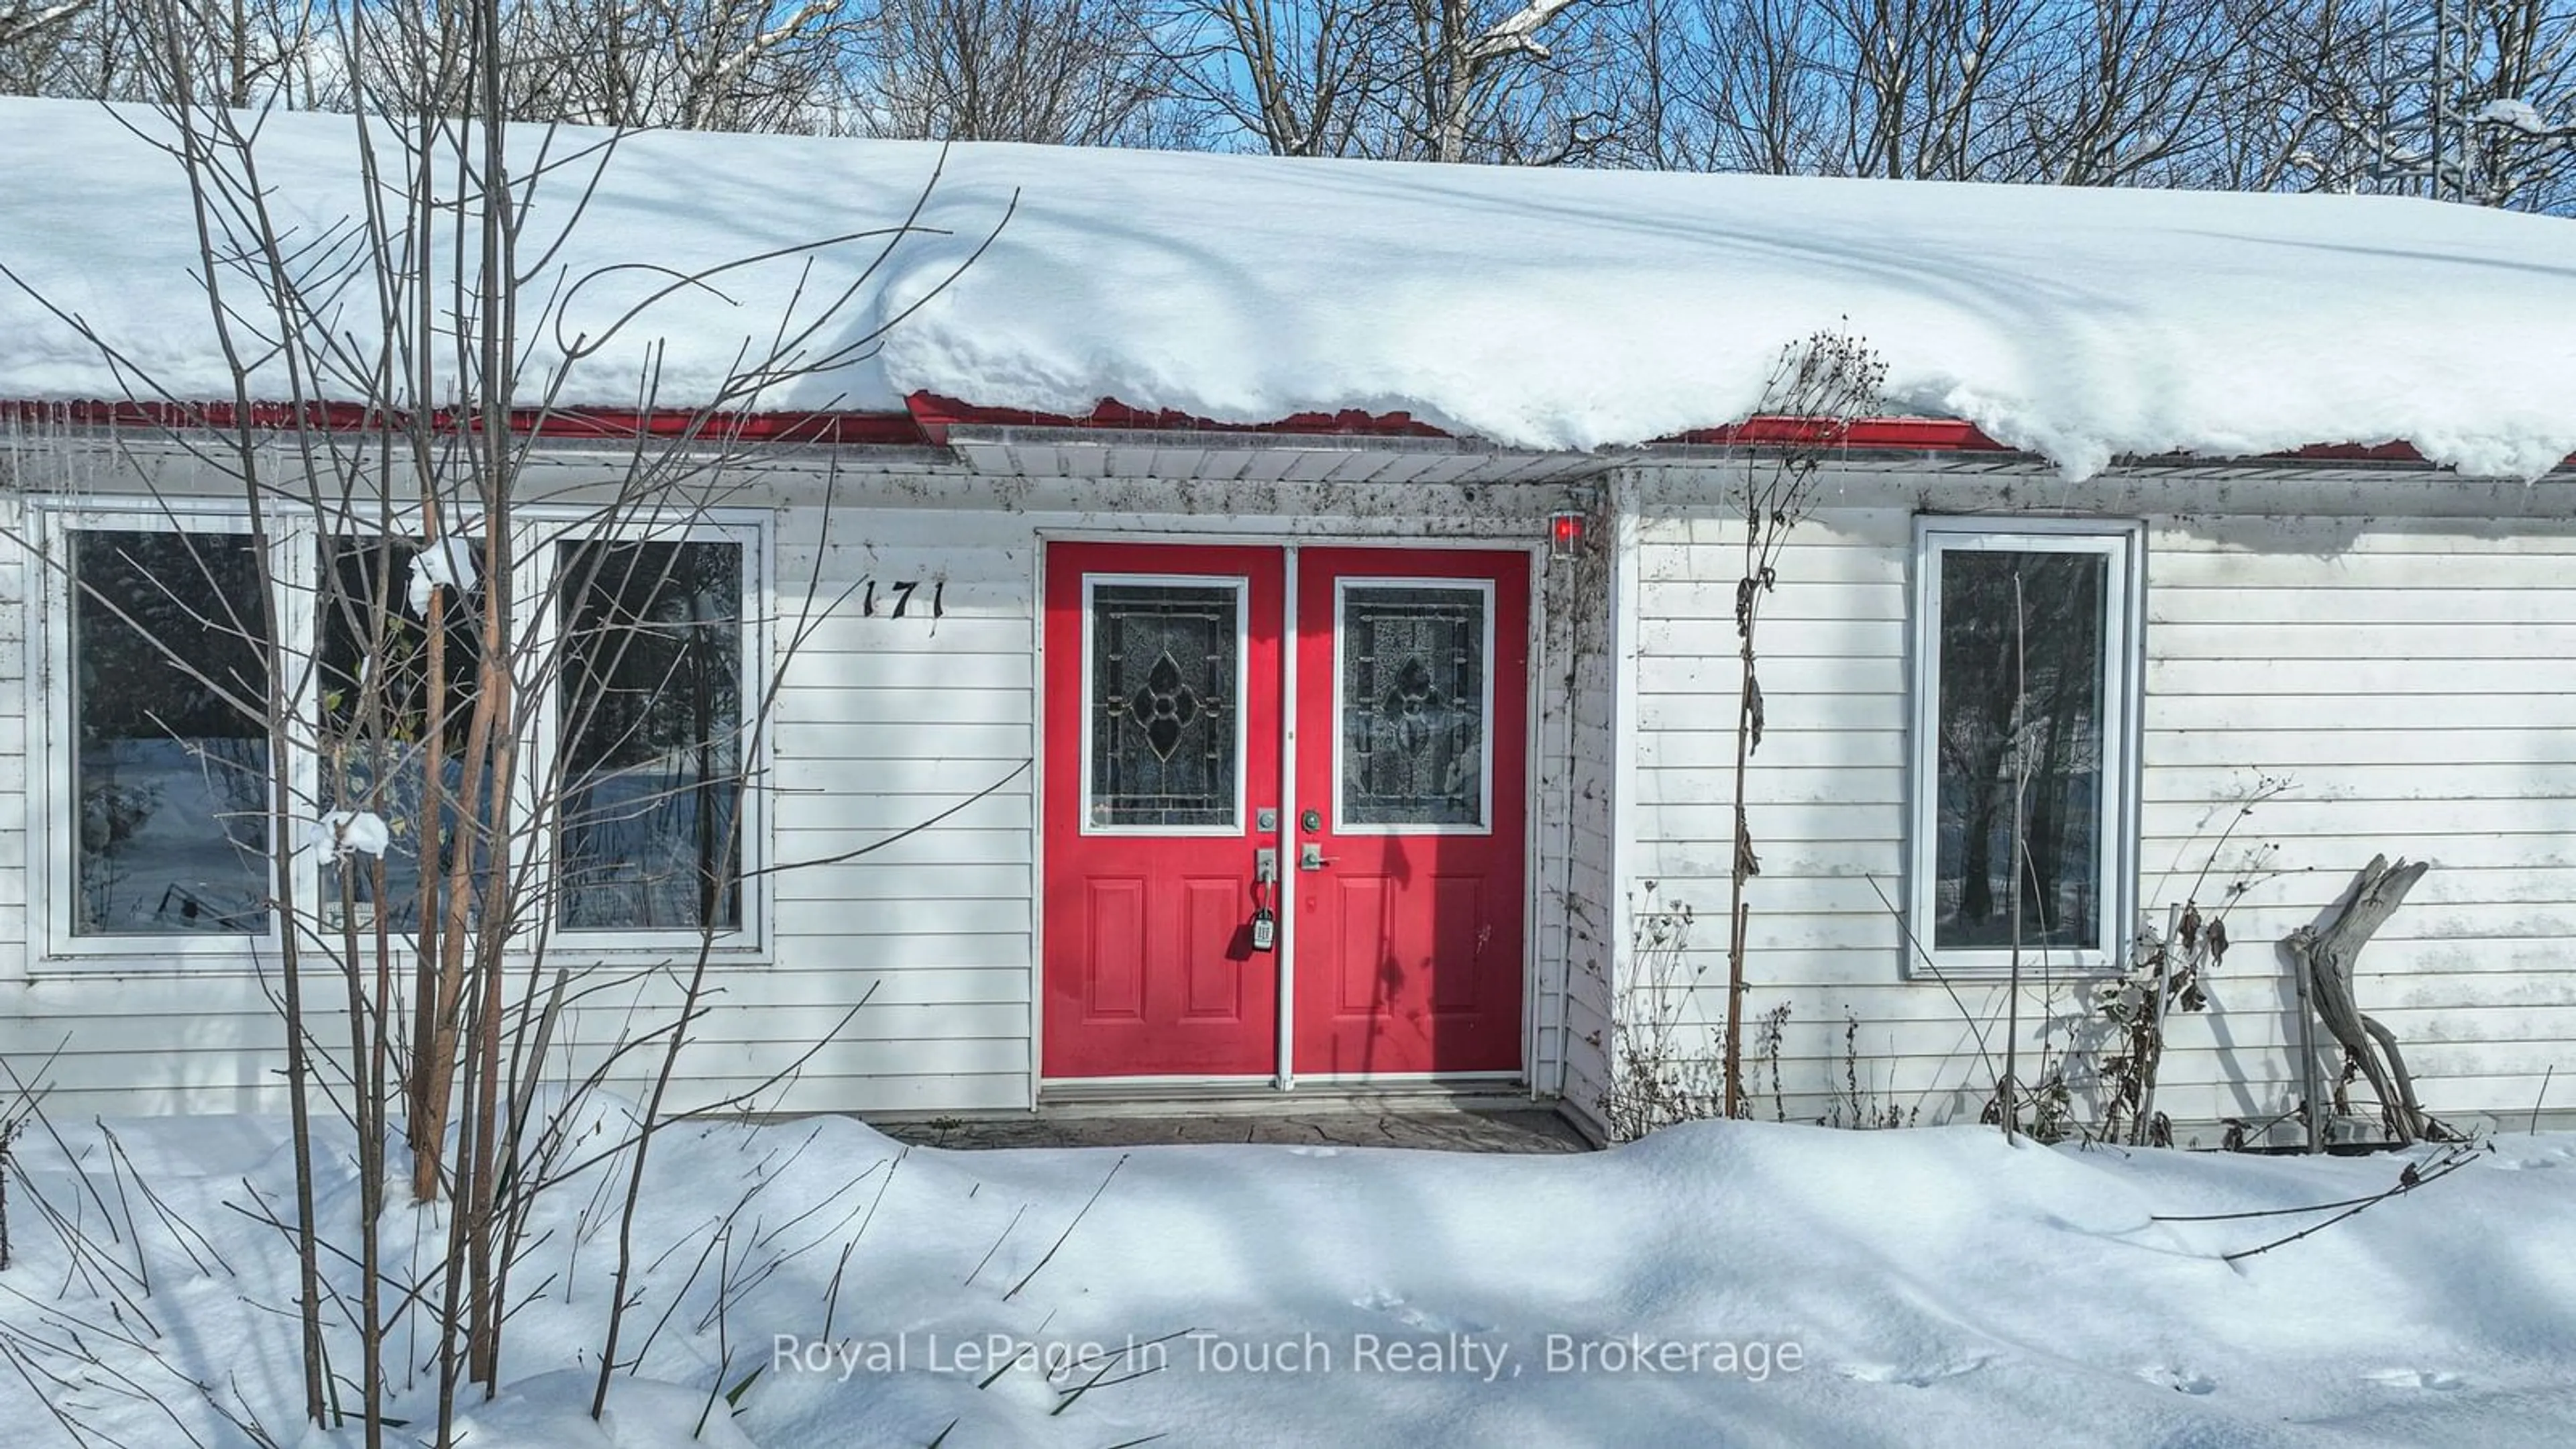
x=928, y=418
x=1936, y=435
x=937, y=415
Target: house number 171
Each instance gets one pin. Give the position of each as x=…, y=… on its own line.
x=901, y=592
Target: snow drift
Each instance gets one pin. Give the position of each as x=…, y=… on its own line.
x=1937, y=1287
x=1535, y=309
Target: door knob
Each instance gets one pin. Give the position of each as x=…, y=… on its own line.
x=1310, y=856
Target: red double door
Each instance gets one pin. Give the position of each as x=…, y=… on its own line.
x=1390, y=927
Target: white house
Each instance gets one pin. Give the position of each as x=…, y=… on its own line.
x=1297, y=602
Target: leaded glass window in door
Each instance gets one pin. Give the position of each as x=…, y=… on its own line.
x=1165, y=706
x=1413, y=706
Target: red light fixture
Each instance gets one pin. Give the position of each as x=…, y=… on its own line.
x=1565, y=535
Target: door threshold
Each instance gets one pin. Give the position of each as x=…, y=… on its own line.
x=1143, y=1099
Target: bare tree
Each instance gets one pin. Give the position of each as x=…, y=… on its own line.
x=20, y=20
x=475, y=774
x=39, y=50
x=241, y=52
x=735, y=65
x=2469, y=99
x=29, y=29
x=1729, y=85
x=2472, y=100
x=1468, y=69
x=1424, y=80
x=1299, y=78
x=2106, y=92
x=1068, y=72
x=2122, y=92
x=2517, y=104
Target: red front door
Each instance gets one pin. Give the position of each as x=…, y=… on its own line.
x=1401, y=853
x=1162, y=740
x=1412, y=668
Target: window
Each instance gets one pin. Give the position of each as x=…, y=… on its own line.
x=2025, y=682
x=374, y=728
x=651, y=735
x=169, y=754
x=155, y=775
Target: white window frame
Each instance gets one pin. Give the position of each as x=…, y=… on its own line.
x=1241, y=587
x=545, y=531
x=294, y=559
x=53, y=791
x=1340, y=741
x=2121, y=544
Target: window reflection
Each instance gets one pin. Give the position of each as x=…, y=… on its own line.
x=2020, y=748
x=651, y=735
x=374, y=668
x=170, y=761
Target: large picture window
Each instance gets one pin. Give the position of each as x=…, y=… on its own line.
x=2024, y=706
x=628, y=793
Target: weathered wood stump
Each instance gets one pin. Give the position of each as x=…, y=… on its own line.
x=2326, y=957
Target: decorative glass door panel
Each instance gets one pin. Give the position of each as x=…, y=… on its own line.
x=1165, y=715
x=1388, y=918
x=1160, y=711
x=1410, y=857
x=1414, y=706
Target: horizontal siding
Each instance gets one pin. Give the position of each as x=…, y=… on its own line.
x=2407, y=680
x=880, y=724
x=883, y=724
x=16, y=697
x=810, y=1091
x=1578, y=957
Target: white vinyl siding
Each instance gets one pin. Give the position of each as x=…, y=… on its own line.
x=16, y=702
x=882, y=724
x=2407, y=676
x=1575, y=885
x=2417, y=694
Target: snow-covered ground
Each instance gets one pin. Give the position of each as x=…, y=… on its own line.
x=1537, y=308
x=1721, y=1283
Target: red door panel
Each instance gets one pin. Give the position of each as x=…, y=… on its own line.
x=1412, y=679
x=1161, y=722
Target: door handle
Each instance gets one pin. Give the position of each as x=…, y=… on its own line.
x=1310, y=856
x=1265, y=865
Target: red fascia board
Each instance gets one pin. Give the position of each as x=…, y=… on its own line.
x=1953, y=435
x=936, y=415
x=927, y=419
x=1935, y=435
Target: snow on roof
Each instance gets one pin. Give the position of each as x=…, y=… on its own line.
x=1533, y=308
